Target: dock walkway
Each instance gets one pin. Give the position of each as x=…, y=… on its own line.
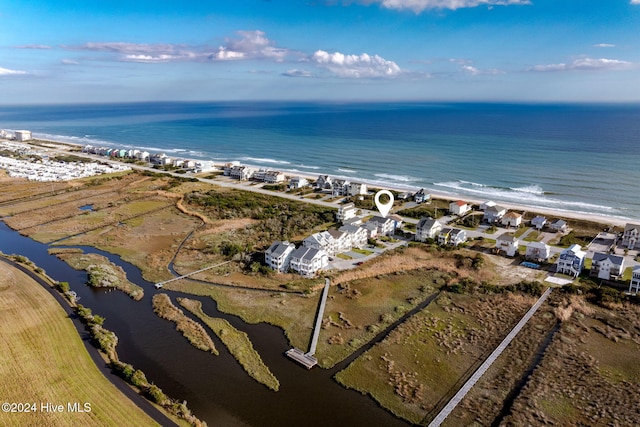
x=161, y=284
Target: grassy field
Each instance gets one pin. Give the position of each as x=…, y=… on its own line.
x=238, y=344
x=42, y=359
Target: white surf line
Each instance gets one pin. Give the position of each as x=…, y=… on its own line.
x=444, y=413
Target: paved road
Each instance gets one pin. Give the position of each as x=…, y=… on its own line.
x=444, y=413
x=120, y=384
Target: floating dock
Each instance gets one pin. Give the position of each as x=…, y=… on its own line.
x=305, y=359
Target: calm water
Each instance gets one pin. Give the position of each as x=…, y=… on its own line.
x=216, y=388
x=571, y=157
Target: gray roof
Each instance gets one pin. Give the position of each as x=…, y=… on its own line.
x=427, y=223
x=379, y=219
x=616, y=260
x=305, y=253
x=278, y=248
x=336, y=234
x=631, y=227
x=349, y=228
x=506, y=237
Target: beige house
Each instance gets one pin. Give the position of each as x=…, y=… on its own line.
x=511, y=219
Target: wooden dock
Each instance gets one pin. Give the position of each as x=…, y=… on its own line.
x=305, y=359
x=159, y=285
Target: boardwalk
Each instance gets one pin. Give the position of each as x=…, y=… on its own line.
x=439, y=419
x=307, y=359
x=161, y=284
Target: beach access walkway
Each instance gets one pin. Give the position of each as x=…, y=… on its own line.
x=450, y=406
x=307, y=359
x=161, y=284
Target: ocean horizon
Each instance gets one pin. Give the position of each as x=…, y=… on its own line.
x=581, y=158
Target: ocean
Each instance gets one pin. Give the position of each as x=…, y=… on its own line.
x=568, y=157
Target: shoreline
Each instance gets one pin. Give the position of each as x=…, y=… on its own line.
x=550, y=212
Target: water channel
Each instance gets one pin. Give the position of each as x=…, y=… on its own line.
x=216, y=388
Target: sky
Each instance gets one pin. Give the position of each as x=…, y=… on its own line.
x=69, y=51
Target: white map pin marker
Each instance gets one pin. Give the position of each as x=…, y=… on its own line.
x=384, y=208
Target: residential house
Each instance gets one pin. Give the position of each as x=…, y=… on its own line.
x=444, y=236
x=507, y=243
x=571, y=261
x=559, y=225
x=357, y=189
x=427, y=228
x=324, y=182
x=340, y=187
x=483, y=206
x=421, y=196
x=538, y=222
x=346, y=211
x=634, y=285
x=322, y=241
x=493, y=213
x=397, y=221
x=357, y=234
x=511, y=219
x=308, y=261
x=404, y=196
x=457, y=237
x=241, y=173
x=259, y=174
x=342, y=239
x=22, y=135
x=273, y=177
x=371, y=228
x=538, y=252
x=606, y=266
x=459, y=207
x=630, y=236
x=278, y=255
x=298, y=182
x=385, y=226
x=189, y=164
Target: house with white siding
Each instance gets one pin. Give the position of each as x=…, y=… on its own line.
x=357, y=189
x=421, y=196
x=559, y=225
x=371, y=228
x=345, y=212
x=385, y=226
x=298, y=182
x=606, y=266
x=538, y=252
x=511, y=219
x=273, y=177
x=571, y=261
x=457, y=237
x=321, y=241
x=357, y=234
x=324, y=182
x=493, y=213
x=278, y=255
x=427, y=228
x=507, y=243
x=631, y=236
x=308, y=261
x=340, y=187
x=342, y=240
x=634, y=285
x=444, y=236
x=459, y=207
x=241, y=173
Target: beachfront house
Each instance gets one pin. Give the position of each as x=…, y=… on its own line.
x=308, y=261
x=444, y=235
x=634, y=285
x=357, y=189
x=297, y=182
x=538, y=252
x=385, y=226
x=278, y=255
x=493, y=213
x=22, y=135
x=559, y=225
x=421, y=196
x=324, y=182
x=571, y=261
x=340, y=187
x=538, y=222
x=484, y=205
x=459, y=207
x=241, y=173
x=508, y=244
x=630, y=236
x=457, y=237
x=511, y=219
x=371, y=228
x=427, y=228
x=273, y=177
x=321, y=241
x=606, y=266
x=397, y=221
x=357, y=234
x=345, y=212
x=342, y=240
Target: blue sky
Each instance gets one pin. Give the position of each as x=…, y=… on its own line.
x=447, y=50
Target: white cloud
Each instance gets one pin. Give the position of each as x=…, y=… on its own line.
x=355, y=66
x=420, y=5
x=635, y=2
x=69, y=62
x=8, y=72
x=34, y=46
x=297, y=73
x=586, y=64
x=251, y=44
x=605, y=44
